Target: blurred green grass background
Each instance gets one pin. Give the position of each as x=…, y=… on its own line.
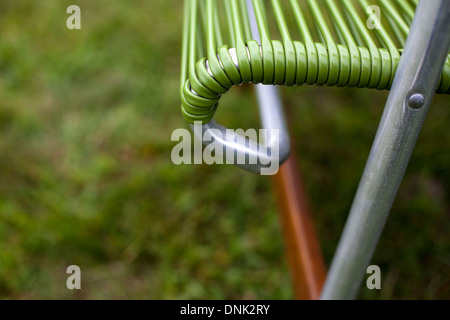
x=86, y=178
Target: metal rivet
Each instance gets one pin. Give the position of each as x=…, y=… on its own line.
x=416, y=101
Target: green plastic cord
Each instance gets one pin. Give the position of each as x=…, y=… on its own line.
x=335, y=47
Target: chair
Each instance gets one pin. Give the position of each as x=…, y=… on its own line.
x=331, y=43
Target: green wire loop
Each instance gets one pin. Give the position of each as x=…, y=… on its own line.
x=256, y=62
x=302, y=63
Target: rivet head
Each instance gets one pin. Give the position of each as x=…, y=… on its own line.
x=416, y=101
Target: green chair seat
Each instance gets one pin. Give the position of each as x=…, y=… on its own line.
x=321, y=42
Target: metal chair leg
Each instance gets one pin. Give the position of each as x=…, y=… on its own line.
x=414, y=85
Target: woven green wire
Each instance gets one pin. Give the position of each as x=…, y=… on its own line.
x=335, y=47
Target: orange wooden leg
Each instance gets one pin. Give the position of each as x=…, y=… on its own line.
x=301, y=243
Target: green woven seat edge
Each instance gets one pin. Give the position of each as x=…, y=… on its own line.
x=284, y=62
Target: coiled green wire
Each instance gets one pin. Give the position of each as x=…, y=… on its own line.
x=345, y=52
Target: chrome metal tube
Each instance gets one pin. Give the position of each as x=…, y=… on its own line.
x=276, y=148
x=414, y=85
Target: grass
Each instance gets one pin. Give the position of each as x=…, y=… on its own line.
x=86, y=177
